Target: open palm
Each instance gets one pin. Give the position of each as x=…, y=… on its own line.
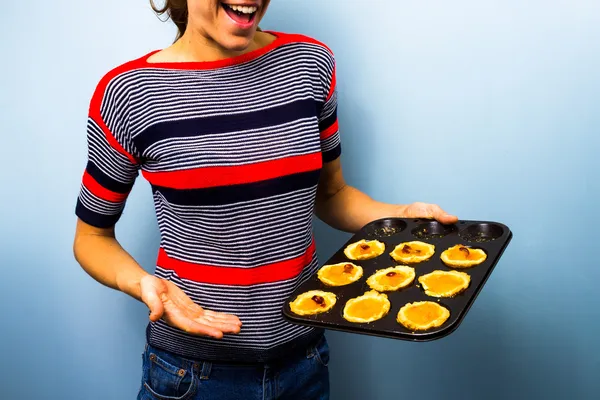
x=165, y=300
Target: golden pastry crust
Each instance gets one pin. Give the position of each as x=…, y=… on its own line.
x=444, y=283
x=413, y=252
x=392, y=278
x=364, y=250
x=369, y=307
x=340, y=274
x=460, y=256
x=313, y=302
x=422, y=315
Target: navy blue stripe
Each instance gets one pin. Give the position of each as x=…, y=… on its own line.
x=226, y=123
x=106, y=181
x=332, y=154
x=238, y=193
x=320, y=105
x=329, y=121
x=95, y=219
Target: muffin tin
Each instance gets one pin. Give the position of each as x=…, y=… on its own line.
x=492, y=237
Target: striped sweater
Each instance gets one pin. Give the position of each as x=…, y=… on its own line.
x=232, y=150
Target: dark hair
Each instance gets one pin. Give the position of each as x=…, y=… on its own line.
x=177, y=10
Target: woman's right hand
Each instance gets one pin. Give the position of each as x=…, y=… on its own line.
x=167, y=301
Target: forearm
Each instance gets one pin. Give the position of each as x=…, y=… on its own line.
x=349, y=209
x=103, y=258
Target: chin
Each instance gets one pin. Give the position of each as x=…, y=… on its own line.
x=232, y=42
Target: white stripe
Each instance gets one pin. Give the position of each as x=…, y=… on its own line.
x=112, y=163
x=243, y=234
x=331, y=142
x=98, y=205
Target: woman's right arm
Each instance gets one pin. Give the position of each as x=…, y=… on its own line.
x=102, y=257
x=112, y=168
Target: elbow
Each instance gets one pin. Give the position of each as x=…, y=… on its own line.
x=77, y=248
x=86, y=237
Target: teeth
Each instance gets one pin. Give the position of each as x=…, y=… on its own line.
x=243, y=9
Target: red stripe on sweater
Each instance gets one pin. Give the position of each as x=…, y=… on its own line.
x=267, y=273
x=100, y=191
x=111, y=138
x=333, y=84
x=96, y=104
x=297, y=37
x=206, y=177
x=331, y=130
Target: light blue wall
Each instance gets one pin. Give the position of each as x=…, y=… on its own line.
x=489, y=108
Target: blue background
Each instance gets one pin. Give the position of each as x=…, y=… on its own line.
x=490, y=109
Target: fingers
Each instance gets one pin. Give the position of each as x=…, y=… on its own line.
x=226, y=325
x=440, y=215
x=424, y=210
x=194, y=311
x=188, y=325
x=221, y=326
x=222, y=317
x=195, y=320
x=170, y=303
x=199, y=326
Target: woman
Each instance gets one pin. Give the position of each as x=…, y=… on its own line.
x=236, y=130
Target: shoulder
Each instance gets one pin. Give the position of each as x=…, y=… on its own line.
x=300, y=38
x=114, y=86
x=316, y=46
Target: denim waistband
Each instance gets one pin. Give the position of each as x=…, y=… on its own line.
x=295, y=348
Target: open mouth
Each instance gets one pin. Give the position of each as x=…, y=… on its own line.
x=242, y=14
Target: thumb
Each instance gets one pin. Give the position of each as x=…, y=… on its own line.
x=151, y=298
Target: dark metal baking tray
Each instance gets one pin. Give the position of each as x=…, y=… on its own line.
x=492, y=237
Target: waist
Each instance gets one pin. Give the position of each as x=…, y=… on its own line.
x=228, y=354
x=233, y=275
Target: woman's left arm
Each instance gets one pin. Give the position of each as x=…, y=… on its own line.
x=348, y=209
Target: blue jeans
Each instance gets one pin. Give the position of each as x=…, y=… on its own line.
x=302, y=376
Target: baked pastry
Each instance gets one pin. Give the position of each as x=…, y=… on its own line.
x=392, y=278
x=444, y=283
x=413, y=252
x=364, y=250
x=369, y=307
x=460, y=256
x=422, y=315
x=313, y=302
x=340, y=274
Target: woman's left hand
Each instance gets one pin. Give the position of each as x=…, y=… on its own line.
x=425, y=210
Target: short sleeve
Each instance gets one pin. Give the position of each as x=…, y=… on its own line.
x=328, y=120
x=112, y=165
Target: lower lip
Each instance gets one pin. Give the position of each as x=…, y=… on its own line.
x=239, y=24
